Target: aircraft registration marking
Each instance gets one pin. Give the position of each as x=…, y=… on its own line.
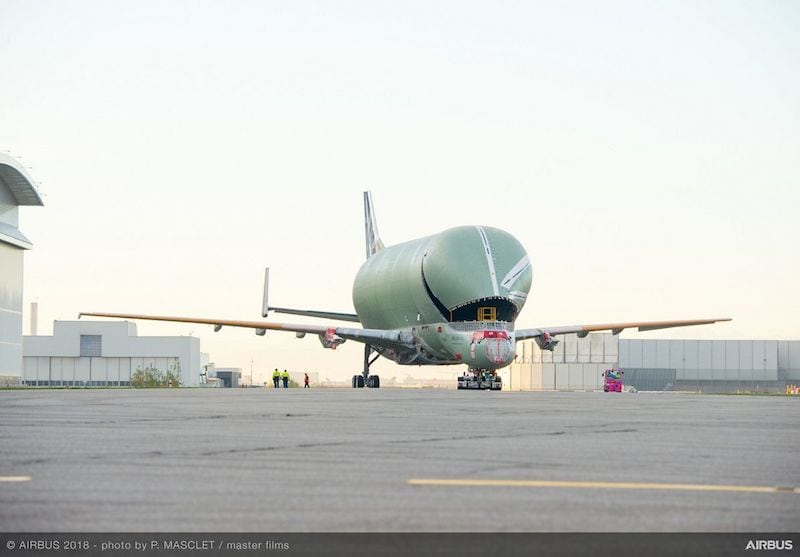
x=603, y=485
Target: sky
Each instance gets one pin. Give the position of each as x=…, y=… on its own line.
x=644, y=153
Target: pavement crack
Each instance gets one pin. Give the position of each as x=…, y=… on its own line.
x=314, y=445
x=31, y=461
x=271, y=448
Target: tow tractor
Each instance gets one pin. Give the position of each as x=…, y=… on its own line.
x=481, y=379
x=612, y=380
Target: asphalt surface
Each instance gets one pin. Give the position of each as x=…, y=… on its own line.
x=341, y=461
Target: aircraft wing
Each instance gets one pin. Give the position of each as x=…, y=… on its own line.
x=339, y=316
x=328, y=334
x=616, y=328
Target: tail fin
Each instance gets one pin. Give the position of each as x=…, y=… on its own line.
x=374, y=243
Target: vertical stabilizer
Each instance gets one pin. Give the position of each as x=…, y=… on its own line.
x=374, y=244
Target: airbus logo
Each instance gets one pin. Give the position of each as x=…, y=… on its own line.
x=769, y=545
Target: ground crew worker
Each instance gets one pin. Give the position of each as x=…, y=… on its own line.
x=285, y=377
x=276, y=378
x=305, y=382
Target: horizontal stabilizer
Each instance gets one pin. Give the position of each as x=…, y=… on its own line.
x=266, y=308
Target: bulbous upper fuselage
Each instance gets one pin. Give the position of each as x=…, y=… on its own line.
x=465, y=279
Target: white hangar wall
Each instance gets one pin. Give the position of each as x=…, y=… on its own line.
x=703, y=362
x=575, y=364
x=16, y=189
x=10, y=314
x=691, y=365
x=789, y=360
x=105, y=353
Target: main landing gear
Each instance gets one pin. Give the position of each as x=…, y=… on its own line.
x=365, y=379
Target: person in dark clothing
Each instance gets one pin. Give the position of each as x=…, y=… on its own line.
x=305, y=382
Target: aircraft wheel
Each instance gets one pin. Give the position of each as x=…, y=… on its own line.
x=374, y=382
x=358, y=381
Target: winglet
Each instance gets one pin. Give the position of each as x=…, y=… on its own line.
x=373, y=239
x=265, y=302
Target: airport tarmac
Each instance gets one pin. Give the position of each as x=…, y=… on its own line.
x=330, y=460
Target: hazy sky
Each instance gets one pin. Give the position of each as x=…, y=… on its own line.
x=646, y=154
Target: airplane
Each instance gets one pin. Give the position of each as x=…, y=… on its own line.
x=446, y=299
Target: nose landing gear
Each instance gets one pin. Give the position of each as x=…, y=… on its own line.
x=480, y=379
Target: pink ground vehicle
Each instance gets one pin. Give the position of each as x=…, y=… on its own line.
x=612, y=380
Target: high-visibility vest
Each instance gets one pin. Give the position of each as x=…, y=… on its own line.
x=285, y=375
x=276, y=373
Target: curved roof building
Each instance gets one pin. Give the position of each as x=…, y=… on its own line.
x=16, y=189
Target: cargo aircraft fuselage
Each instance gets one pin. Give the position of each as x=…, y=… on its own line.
x=454, y=295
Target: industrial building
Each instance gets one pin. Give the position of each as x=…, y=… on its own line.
x=709, y=366
x=106, y=354
x=229, y=377
x=16, y=189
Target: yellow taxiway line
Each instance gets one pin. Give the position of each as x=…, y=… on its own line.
x=15, y=479
x=602, y=485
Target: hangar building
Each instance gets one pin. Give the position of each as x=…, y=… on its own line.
x=16, y=189
x=657, y=365
x=105, y=354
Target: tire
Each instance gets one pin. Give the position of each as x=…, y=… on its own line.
x=374, y=382
x=359, y=381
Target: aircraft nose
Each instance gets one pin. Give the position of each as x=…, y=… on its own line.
x=493, y=349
